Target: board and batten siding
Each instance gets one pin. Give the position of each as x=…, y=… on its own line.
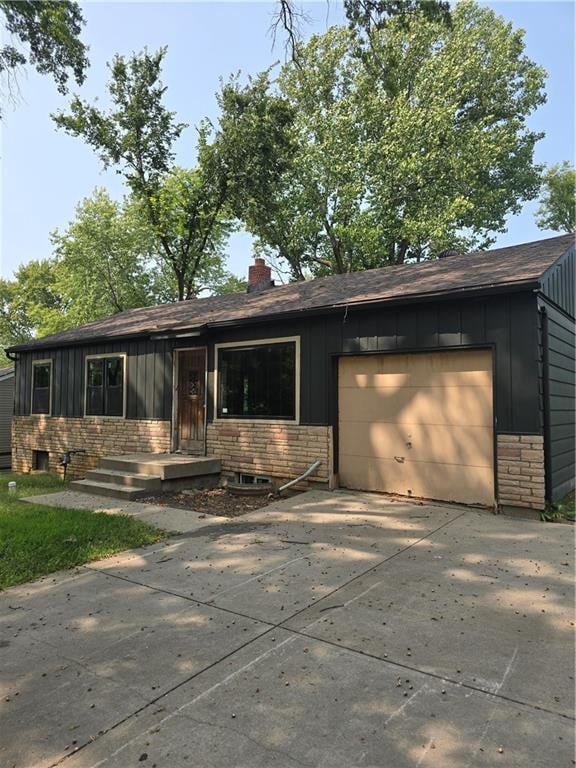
x=6, y=410
x=559, y=282
x=148, y=378
x=508, y=324
x=557, y=393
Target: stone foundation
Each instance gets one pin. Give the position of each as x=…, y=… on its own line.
x=521, y=471
x=96, y=435
x=280, y=451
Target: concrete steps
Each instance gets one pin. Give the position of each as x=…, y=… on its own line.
x=167, y=466
x=131, y=479
x=130, y=476
x=115, y=490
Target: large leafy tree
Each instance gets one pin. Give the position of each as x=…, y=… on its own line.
x=416, y=144
x=136, y=136
x=28, y=302
x=557, y=209
x=45, y=34
x=105, y=262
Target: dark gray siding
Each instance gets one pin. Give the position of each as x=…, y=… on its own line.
x=149, y=378
x=559, y=282
x=557, y=390
x=507, y=324
x=6, y=408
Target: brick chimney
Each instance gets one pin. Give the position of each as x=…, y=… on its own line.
x=259, y=276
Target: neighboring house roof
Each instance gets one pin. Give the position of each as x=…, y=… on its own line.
x=6, y=372
x=514, y=266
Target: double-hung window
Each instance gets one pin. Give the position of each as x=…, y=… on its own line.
x=258, y=380
x=42, y=386
x=105, y=386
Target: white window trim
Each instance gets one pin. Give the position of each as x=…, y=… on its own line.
x=256, y=343
x=107, y=356
x=47, y=361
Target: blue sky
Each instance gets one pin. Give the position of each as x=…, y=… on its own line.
x=45, y=173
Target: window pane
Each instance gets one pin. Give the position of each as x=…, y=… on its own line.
x=42, y=375
x=94, y=401
x=258, y=382
x=41, y=388
x=95, y=373
x=114, y=372
x=114, y=401
x=104, y=387
x=41, y=401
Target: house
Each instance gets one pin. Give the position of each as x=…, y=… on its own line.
x=6, y=407
x=449, y=380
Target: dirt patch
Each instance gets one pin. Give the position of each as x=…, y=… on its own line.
x=213, y=501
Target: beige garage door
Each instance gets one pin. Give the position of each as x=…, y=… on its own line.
x=418, y=425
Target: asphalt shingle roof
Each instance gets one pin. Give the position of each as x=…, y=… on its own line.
x=514, y=265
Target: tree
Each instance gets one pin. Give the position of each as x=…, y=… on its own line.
x=105, y=262
x=50, y=31
x=417, y=145
x=363, y=15
x=28, y=302
x=186, y=209
x=558, y=200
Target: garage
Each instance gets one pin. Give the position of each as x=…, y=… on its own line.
x=418, y=424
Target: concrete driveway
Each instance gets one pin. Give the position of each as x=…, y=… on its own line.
x=332, y=629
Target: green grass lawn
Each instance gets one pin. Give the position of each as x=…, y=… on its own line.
x=36, y=539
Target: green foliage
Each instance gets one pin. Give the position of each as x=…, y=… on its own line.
x=138, y=133
x=104, y=263
x=28, y=303
x=36, y=539
x=185, y=209
x=563, y=510
x=254, y=147
x=189, y=215
x=557, y=209
x=229, y=283
x=417, y=145
x=50, y=33
x=367, y=15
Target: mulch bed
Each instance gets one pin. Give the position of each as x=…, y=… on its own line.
x=213, y=501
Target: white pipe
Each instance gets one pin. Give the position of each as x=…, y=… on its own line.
x=309, y=471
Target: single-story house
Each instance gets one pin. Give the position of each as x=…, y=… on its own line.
x=451, y=379
x=6, y=408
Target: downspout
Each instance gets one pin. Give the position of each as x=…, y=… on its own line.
x=12, y=358
x=303, y=476
x=546, y=406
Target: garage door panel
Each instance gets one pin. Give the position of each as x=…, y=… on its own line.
x=445, y=444
x=415, y=370
x=448, y=482
x=419, y=425
x=418, y=405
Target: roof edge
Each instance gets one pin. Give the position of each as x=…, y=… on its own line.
x=486, y=289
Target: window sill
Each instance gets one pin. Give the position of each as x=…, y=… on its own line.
x=250, y=420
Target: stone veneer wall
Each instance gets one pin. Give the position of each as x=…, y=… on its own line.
x=280, y=451
x=98, y=436
x=521, y=471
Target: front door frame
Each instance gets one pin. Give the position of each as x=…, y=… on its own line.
x=175, y=372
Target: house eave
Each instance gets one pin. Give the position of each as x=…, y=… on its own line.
x=198, y=330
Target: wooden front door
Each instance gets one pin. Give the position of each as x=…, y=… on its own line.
x=191, y=401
